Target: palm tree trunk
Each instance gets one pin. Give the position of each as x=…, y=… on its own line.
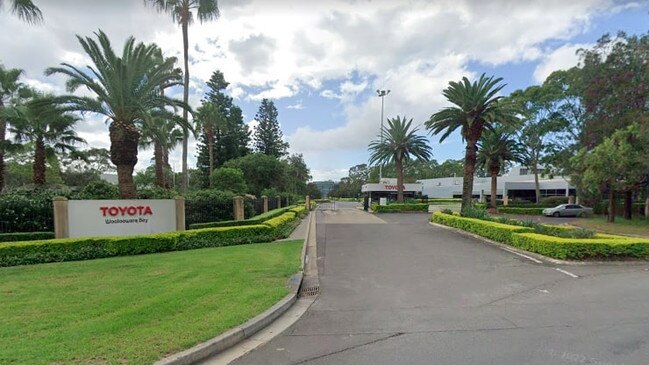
x=494, y=170
x=469, y=170
x=39, y=164
x=611, y=205
x=159, y=168
x=185, y=175
x=399, y=166
x=3, y=131
x=123, y=153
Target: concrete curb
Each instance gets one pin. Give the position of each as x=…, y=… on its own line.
x=246, y=330
x=537, y=256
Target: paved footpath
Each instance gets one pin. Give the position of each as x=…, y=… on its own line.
x=396, y=290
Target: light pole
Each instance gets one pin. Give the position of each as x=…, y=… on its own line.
x=381, y=94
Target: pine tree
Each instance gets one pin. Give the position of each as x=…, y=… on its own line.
x=268, y=135
x=231, y=138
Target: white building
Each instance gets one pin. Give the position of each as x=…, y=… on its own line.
x=518, y=183
x=387, y=188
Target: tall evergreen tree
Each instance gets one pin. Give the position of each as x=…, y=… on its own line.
x=229, y=138
x=268, y=135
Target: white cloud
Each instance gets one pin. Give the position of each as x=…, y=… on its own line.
x=561, y=58
x=296, y=106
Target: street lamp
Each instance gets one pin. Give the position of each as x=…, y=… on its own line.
x=381, y=94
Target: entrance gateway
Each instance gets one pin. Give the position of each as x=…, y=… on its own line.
x=387, y=188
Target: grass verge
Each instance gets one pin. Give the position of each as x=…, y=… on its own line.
x=137, y=309
x=634, y=227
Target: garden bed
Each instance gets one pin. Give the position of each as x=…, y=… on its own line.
x=600, y=246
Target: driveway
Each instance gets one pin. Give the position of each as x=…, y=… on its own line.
x=396, y=290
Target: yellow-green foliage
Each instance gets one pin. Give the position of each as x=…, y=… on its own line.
x=281, y=220
x=300, y=210
x=601, y=246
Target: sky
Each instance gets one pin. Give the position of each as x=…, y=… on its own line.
x=321, y=62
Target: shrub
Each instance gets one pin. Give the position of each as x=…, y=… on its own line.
x=254, y=220
x=522, y=211
x=98, y=190
x=575, y=248
x=26, y=236
x=553, y=201
x=283, y=224
x=396, y=208
x=600, y=246
x=28, y=210
x=473, y=211
x=447, y=211
x=70, y=249
x=212, y=205
x=228, y=179
x=495, y=231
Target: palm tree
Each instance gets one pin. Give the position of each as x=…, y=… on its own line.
x=163, y=135
x=127, y=92
x=48, y=127
x=11, y=93
x=25, y=10
x=495, y=148
x=398, y=143
x=476, y=107
x=182, y=12
x=210, y=119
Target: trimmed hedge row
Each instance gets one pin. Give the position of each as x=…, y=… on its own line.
x=601, y=246
x=71, y=249
x=26, y=236
x=522, y=211
x=395, y=208
x=258, y=219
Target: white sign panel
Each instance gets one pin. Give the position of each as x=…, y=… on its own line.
x=89, y=218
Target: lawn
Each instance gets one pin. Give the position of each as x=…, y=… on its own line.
x=137, y=309
x=636, y=227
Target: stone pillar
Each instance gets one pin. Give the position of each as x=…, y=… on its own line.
x=307, y=202
x=264, y=199
x=238, y=208
x=180, y=213
x=576, y=200
x=61, y=223
x=505, y=200
x=279, y=202
x=571, y=199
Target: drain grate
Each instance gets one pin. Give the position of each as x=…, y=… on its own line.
x=310, y=291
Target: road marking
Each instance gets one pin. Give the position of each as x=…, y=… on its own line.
x=521, y=255
x=566, y=272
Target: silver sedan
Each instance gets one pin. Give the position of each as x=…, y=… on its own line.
x=568, y=210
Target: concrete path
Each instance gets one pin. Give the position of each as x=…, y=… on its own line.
x=395, y=290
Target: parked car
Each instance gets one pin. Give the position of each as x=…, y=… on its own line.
x=568, y=210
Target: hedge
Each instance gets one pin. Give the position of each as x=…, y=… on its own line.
x=258, y=219
x=71, y=249
x=26, y=236
x=522, y=211
x=492, y=230
x=601, y=246
x=395, y=208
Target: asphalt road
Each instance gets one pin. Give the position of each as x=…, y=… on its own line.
x=395, y=290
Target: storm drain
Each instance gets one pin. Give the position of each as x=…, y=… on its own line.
x=309, y=291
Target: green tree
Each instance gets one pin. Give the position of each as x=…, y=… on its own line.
x=399, y=143
x=86, y=166
x=260, y=172
x=297, y=174
x=495, y=149
x=164, y=135
x=48, y=127
x=228, y=179
x=182, y=12
x=268, y=135
x=619, y=163
x=476, y=107
x=539, y=107
x=139, y=74
x=209, y=119
x=312, y=191
x=12, y=92
x=25, y=10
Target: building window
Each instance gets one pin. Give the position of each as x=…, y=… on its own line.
x=524, y=171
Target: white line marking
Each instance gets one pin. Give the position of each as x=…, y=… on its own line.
x=521, y=255
x=566, y=272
